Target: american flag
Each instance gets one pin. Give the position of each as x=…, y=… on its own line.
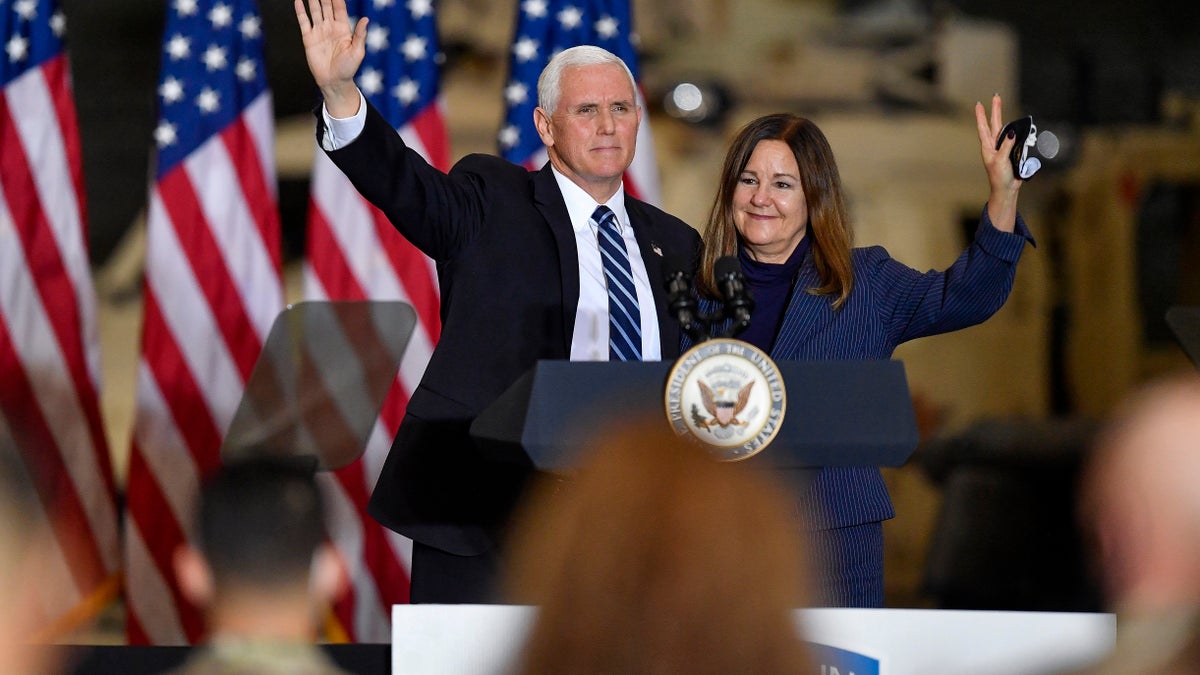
x=212, y=287
x=544, y=28
x=354, y=253
x=49, y=345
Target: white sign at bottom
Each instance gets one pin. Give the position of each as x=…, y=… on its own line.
x=485, y=639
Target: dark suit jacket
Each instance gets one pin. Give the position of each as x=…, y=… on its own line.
x=509, y=276
x=890, y=303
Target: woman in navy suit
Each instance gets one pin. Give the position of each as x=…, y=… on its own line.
x=780, y=210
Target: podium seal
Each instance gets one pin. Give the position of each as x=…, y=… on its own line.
x=728, y=395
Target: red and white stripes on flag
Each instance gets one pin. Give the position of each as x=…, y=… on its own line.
x=212, y=288
x=49, y=345
x=354, y=253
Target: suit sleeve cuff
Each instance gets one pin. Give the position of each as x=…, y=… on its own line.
x=1003, y=245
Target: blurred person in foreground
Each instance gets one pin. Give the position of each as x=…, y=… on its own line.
x=1141, y=502
x=656, y=558
x=781, y=211
x=22, y=543
x=262, y=570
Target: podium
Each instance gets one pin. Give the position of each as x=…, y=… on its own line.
x=839, y=413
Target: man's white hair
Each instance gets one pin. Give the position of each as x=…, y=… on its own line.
x=549, y=82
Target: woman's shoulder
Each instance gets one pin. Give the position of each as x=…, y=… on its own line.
x=868, y=255
x=876, y=269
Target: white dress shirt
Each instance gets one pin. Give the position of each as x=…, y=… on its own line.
x=589, y=342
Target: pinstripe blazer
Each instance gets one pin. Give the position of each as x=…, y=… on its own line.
x=890, y=303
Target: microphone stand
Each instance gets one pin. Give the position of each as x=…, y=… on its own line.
x=737, y=306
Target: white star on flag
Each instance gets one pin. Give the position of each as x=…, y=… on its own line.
x=414, y=48
x=510, y=136
x=420, y=8
x=58, y=24
x=250, y=27
x=246, y=70
x=179, y=47
x=606, y=27
x=221, y=16
x=407, y=91
x=214, y=58
x=17, y=48
x=534, y=9
x=185, y=7
x=377, y=38
x=371, y=81
x=164, y=134
x=516, y=93
x=525, y=49
x=171, y=90
x=383, y=4
x=570, y=17
x=208, y=101
x=26, y=9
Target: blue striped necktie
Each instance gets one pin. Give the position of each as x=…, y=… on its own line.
x=624, y=319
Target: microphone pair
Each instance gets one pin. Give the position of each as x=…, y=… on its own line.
x=731, y=283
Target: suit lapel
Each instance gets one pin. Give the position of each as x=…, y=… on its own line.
x=652, y=255
x=803, y=313
x=548, y=199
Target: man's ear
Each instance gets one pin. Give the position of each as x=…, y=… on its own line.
x=329, y=577
x=194, y=575
x=541, y=120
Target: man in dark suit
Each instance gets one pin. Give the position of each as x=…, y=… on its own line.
x=521, y=274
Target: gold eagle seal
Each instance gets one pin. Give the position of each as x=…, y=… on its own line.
x=728, y=395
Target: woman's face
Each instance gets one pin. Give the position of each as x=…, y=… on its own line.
x=769, y=209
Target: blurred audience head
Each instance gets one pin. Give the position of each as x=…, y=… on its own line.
x=261, y=565
x=655, y=558
x=1141, y=498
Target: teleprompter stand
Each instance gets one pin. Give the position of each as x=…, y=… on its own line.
x=320, y=382
x=1184, y=322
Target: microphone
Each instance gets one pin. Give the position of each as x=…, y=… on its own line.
x=681, y=301
x=732, y=285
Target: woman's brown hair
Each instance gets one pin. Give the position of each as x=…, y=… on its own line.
x=658, y=559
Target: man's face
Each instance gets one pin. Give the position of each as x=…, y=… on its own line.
x=592, y=134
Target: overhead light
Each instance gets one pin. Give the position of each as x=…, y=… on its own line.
x=695, y=102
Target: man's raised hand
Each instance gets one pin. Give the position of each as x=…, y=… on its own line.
x=334, y=51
